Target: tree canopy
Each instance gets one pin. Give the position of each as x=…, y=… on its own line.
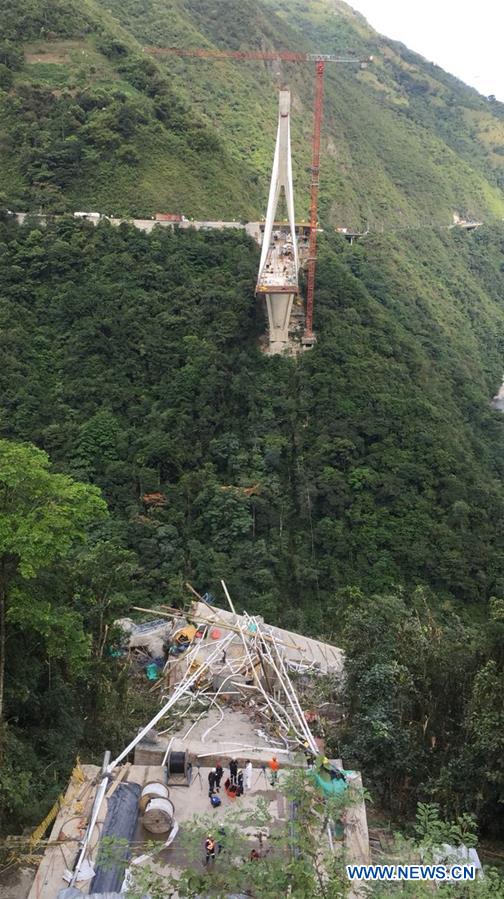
x=373, y=463
x=41, y=514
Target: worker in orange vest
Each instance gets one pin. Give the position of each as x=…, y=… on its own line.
x=274, y=768
x=209, y=849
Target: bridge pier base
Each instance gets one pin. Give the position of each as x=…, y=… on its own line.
x=279, y=308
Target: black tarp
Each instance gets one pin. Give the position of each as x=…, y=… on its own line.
x=120, y=824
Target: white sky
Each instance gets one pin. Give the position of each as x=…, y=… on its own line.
x=464, y=37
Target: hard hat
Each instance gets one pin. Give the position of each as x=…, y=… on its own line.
x=325, y=761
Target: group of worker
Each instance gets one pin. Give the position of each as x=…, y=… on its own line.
x=237, y=782
x=214, y=847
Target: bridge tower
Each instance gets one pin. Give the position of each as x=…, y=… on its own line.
x=278, y=269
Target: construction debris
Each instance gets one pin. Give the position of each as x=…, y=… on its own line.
x=227, y=692
x=214, y=657
x=148, y=638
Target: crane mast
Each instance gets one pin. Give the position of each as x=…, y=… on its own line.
x=314, y=190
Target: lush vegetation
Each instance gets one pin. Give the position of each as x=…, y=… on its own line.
x=89, y=121
x=132, y=360
x=60, y=588
x=425, y=703
x=376, y=462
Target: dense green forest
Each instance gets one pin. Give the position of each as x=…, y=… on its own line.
x=132, y=362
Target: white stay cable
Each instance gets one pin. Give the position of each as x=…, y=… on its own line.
x=300, y=734
x=247, y=652
x=179, y=691
x=214, y=700
x=289, y=691
x=310, y=738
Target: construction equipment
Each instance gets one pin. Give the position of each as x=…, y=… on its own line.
x=320, y=59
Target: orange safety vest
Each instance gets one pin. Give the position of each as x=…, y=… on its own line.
x=274, y=765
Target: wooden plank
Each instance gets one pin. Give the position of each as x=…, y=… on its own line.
x=122, y=774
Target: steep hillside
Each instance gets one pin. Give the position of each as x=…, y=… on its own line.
x=354, y=493
x=377, y=459
x=404, y=143
x=88, y=121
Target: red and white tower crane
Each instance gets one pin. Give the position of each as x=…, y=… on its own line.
x=320, y=60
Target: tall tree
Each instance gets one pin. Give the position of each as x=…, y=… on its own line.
x=41, y=514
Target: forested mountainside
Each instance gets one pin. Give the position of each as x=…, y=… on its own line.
x=89, y=120
x=354, y=493
x=376, y=460
x=375, y=464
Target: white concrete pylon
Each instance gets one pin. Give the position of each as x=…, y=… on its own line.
x=278, y=268
x=281, y=176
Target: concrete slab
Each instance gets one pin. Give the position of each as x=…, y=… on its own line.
x=209, y=731
x=218, y=734
x=298, y=649
x=192, y=806
x=356, y=828
x=16, y=883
